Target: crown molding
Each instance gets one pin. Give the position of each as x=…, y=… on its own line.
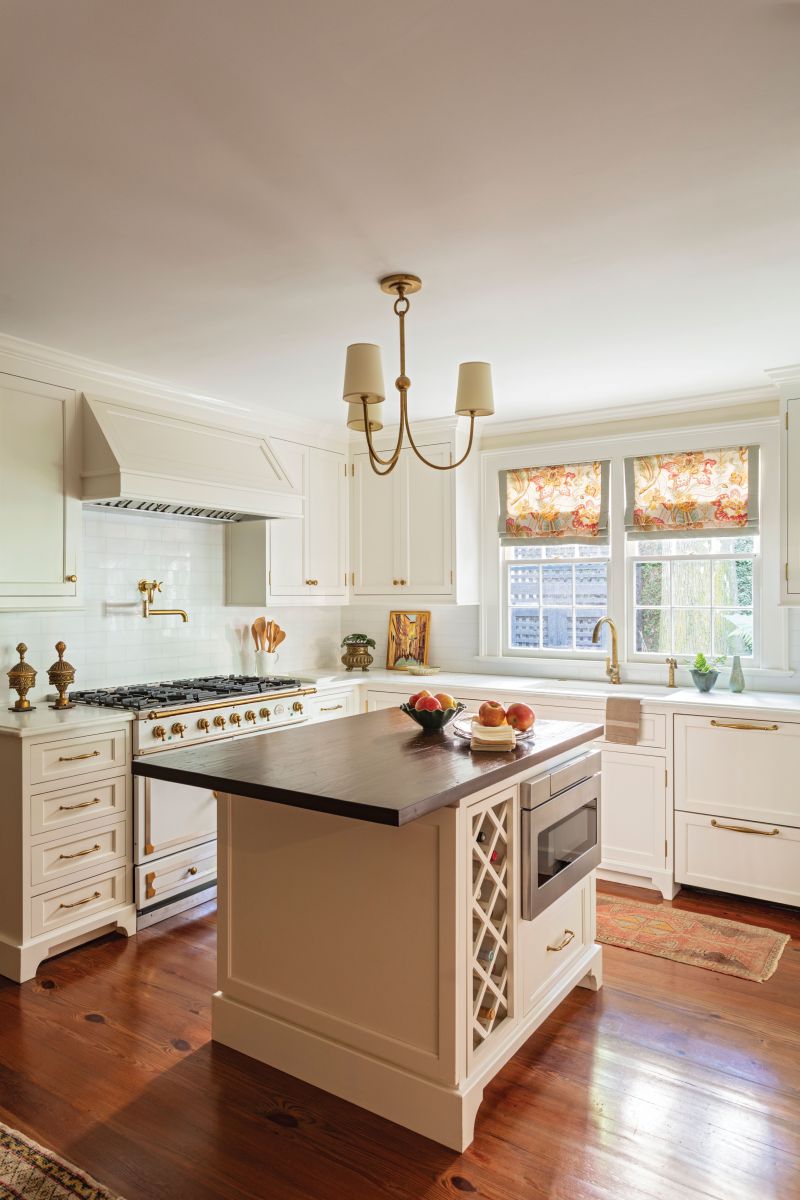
x=59, y=367
x=630, y=412
x=786, y=380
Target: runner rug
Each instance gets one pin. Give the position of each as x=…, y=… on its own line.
x=748, y=951
x=29, y=1172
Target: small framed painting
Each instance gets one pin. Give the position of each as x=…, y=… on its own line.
x=409, y=635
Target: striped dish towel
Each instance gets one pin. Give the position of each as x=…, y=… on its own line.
x=622, y=720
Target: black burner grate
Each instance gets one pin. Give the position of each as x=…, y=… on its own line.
x=138, y=696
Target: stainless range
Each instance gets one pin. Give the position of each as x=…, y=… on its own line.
x=175, y=827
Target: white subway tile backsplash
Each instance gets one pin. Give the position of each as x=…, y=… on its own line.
x=110, y=643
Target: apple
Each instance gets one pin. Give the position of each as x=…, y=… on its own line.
x=428, y=704
x=445, y=700
x=520, y=716
x=491, y=713
x=418, y=696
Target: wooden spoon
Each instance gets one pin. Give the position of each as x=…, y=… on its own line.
x=258, y=630
x=280, y=637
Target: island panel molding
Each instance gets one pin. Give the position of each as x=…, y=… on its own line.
x=325, y=768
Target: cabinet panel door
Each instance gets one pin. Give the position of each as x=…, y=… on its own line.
x=287, y=538
x=325, y=523
x=792, y=513
x=427, y=526
x=375, y=529
x=634, y=811
x=38, y=490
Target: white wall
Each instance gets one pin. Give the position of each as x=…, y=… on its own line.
x=109, y=642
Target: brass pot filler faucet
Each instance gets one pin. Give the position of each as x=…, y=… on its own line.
x=148, y=588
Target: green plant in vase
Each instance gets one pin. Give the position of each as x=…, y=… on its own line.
x=704, y=671
x=357, y=648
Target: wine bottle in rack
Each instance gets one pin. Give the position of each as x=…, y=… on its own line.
x=485, y=955
x=481, y=837
x=487, y=1012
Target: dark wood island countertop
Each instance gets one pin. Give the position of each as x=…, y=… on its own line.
x=373, y=767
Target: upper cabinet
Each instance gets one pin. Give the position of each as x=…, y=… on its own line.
x=295, y=560
x=39, y=497
x=414, y=531
x=787, y=380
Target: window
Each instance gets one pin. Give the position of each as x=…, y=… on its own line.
x=693, y=594
x=554, y=597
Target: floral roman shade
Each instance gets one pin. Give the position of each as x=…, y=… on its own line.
x=695, y=493
x=567, y=502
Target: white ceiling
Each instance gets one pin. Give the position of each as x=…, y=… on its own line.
x=602, y=196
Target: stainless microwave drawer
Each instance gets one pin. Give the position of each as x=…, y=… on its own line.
x=575, y=843
x=540, y=790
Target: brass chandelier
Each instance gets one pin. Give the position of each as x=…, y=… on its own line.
x=364, y=389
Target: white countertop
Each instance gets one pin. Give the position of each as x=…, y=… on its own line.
x=72, y=721
x=658, y=698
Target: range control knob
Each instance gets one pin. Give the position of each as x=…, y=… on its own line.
x=279, y=709
x=250, y=716
x=203, y=724
x=236, y=718
x=265, y=713
x=219, y=722
x=159, y=732
x=297, y=707
x=178, y=728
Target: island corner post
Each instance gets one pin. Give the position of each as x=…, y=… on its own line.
x=384, y=958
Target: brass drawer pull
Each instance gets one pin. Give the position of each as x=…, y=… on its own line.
x=331, y=707
x=565, y=941
x=75, y=757
x=743, y=725
x=83, y=804
x=744, y=829
x=82, y=853
x=78, y=903
x=192, y=871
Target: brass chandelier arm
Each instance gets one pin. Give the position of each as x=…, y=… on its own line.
x=440, y=466
x=374, y=457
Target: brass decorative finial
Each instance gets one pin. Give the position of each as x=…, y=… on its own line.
x=21, y=679
x=61, y=675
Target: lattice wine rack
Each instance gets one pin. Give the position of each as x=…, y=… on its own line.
x=491, y=872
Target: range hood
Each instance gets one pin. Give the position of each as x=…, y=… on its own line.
x=137, y=459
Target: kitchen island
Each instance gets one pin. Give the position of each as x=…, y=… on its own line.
x=371, y=890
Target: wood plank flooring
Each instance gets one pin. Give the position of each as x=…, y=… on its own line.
x=671, y=1083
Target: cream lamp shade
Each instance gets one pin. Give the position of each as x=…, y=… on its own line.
x=475, y=394
x=355, y=416
x=363, y=374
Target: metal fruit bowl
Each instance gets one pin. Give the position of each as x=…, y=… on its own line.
x=432, y=722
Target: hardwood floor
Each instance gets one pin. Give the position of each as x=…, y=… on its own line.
x=672, y=1082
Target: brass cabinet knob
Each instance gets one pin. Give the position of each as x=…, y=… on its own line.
x=203, y=724
x=236, y=718
x=403, y=582
x=297, y=707
x=159, y=732
x=250, y=715
x=179, y=728
x=265, y=713
x=72, y=579
x=192, y=871
x=219, y=722
x=312, y=582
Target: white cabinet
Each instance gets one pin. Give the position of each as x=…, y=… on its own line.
x=39, y=499
x=790, y=496
x=295, y=560
x=748, y=858
x=634, y=814
x=414, y=531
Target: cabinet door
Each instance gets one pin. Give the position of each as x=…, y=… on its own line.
x=38, y=493
x=287, y=538
x=633, y=822
x=375, y=529
x=426, y=524
x=791, y=513
x=326, y=560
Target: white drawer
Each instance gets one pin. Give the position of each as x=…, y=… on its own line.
x=51, y=811
x=81, y=853
x=738, y=768
x=168, y=876
x=77, y=901
x=548, y=945
x=330, y=705
x=52, y=761
x=171, y=817
x=754, y=859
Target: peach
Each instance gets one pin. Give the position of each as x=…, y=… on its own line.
x=491, y=713
x=428, y=704
x=520, y=716
x=446, y=700
x=418, y=696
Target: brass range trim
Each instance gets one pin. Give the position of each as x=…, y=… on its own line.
x=251, y=698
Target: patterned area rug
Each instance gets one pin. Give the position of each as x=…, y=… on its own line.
x=730, y=947
x=28, y=1172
